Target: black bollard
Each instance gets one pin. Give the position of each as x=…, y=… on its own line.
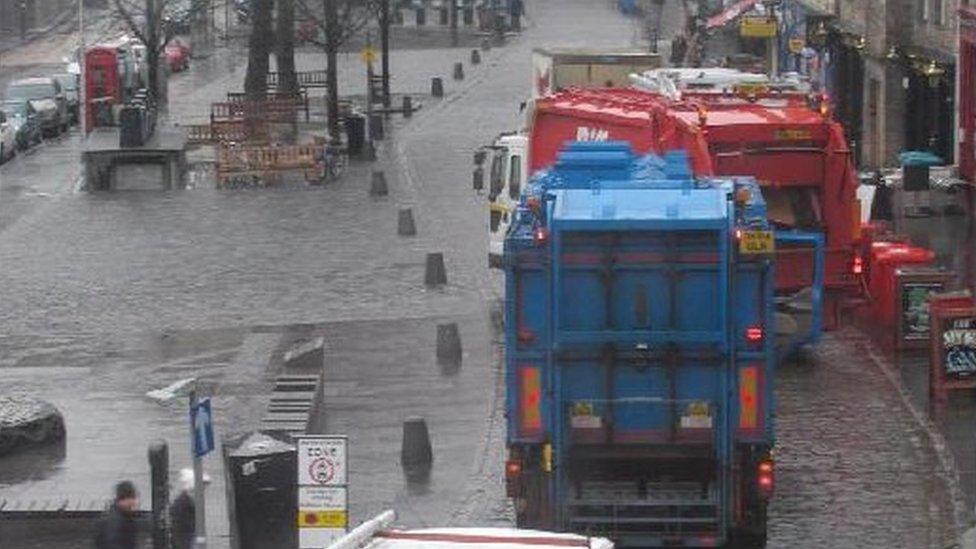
x=407, y=106
x=405, y=223
x=459, y=71
x=377, y=185
x=415, y=449
x=376, y=127
x=159, y=479
x=437, y=87
x=369, y=151
x=448, y=344
x=475, y=57
x=435, y=274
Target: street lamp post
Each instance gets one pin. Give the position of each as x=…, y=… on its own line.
x=80, y=59
x=188, y=387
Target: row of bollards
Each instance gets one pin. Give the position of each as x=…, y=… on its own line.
x=437, y=83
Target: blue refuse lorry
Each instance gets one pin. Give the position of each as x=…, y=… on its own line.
x=639, y=367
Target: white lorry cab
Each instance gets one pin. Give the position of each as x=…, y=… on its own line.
x=378, y=533
x=505, y=163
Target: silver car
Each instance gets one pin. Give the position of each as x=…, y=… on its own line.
x=42, y=92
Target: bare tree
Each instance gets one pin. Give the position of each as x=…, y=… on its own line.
x=148, y=22
x=259, y=48
x=339, y=20
x=285, y=54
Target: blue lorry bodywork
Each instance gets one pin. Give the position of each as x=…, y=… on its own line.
x=639, y=375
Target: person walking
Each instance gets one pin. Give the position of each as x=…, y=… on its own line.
x=182, y=513
x=117, y=528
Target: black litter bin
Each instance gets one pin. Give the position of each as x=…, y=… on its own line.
x=261, y=491
x=376, y=127
x=355, y=133
x=131, y=130
x=915, y=177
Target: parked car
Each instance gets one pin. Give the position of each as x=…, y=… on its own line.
x=43, y=88
x=26, y=122
x=8, y=140
x=70, y=85
x=177, y=55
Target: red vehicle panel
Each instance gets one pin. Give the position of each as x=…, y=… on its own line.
x=798, y=154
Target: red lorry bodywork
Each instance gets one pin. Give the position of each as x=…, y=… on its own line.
x=798, y=154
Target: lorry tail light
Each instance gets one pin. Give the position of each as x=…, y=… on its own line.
x=765, y=477
x=513, y=470
x=857, y=266
x=754, y=334
x=540, y=236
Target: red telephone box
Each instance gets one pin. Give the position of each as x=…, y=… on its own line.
x=103, y=87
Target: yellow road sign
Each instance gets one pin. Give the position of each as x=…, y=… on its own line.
x=368, y=54
x=757, y=26
x=318, y=518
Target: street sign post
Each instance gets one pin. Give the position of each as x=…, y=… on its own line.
x=322, y=490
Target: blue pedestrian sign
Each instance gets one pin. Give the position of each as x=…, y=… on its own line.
x=201, y=421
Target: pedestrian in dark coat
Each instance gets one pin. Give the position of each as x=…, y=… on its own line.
x=117, y=528
x=182, y=513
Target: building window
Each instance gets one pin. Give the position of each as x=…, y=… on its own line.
x=938, y=14
x=923, y=10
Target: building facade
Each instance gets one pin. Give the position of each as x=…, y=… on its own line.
x=890, y=71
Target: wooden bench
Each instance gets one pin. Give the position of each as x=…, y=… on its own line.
x=300, y=99
x=262, y=161
x=268, y=110
x=306, y=79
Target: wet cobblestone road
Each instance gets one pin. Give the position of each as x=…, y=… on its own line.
x=107, y=296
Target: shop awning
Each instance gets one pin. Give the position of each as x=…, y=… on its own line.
x=730, y=13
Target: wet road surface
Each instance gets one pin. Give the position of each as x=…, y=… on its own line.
x=106, y=296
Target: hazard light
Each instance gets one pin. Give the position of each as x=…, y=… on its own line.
x=754, y=334
x=749, y=397
x=530, y=400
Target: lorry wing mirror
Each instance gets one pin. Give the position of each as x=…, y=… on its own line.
x=479, y=157
x=478, y=178
x=494, y=220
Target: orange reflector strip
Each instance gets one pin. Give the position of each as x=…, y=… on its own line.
x=749, y=397
x=531, y=399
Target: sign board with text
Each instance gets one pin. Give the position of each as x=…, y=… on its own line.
x=322, y=476
x=757, y=26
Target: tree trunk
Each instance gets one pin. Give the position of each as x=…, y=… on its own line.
x=287, y=79
x=332, y=55
x=152, y=50
x=259, y=47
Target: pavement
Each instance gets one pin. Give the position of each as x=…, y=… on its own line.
x=109, y=295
